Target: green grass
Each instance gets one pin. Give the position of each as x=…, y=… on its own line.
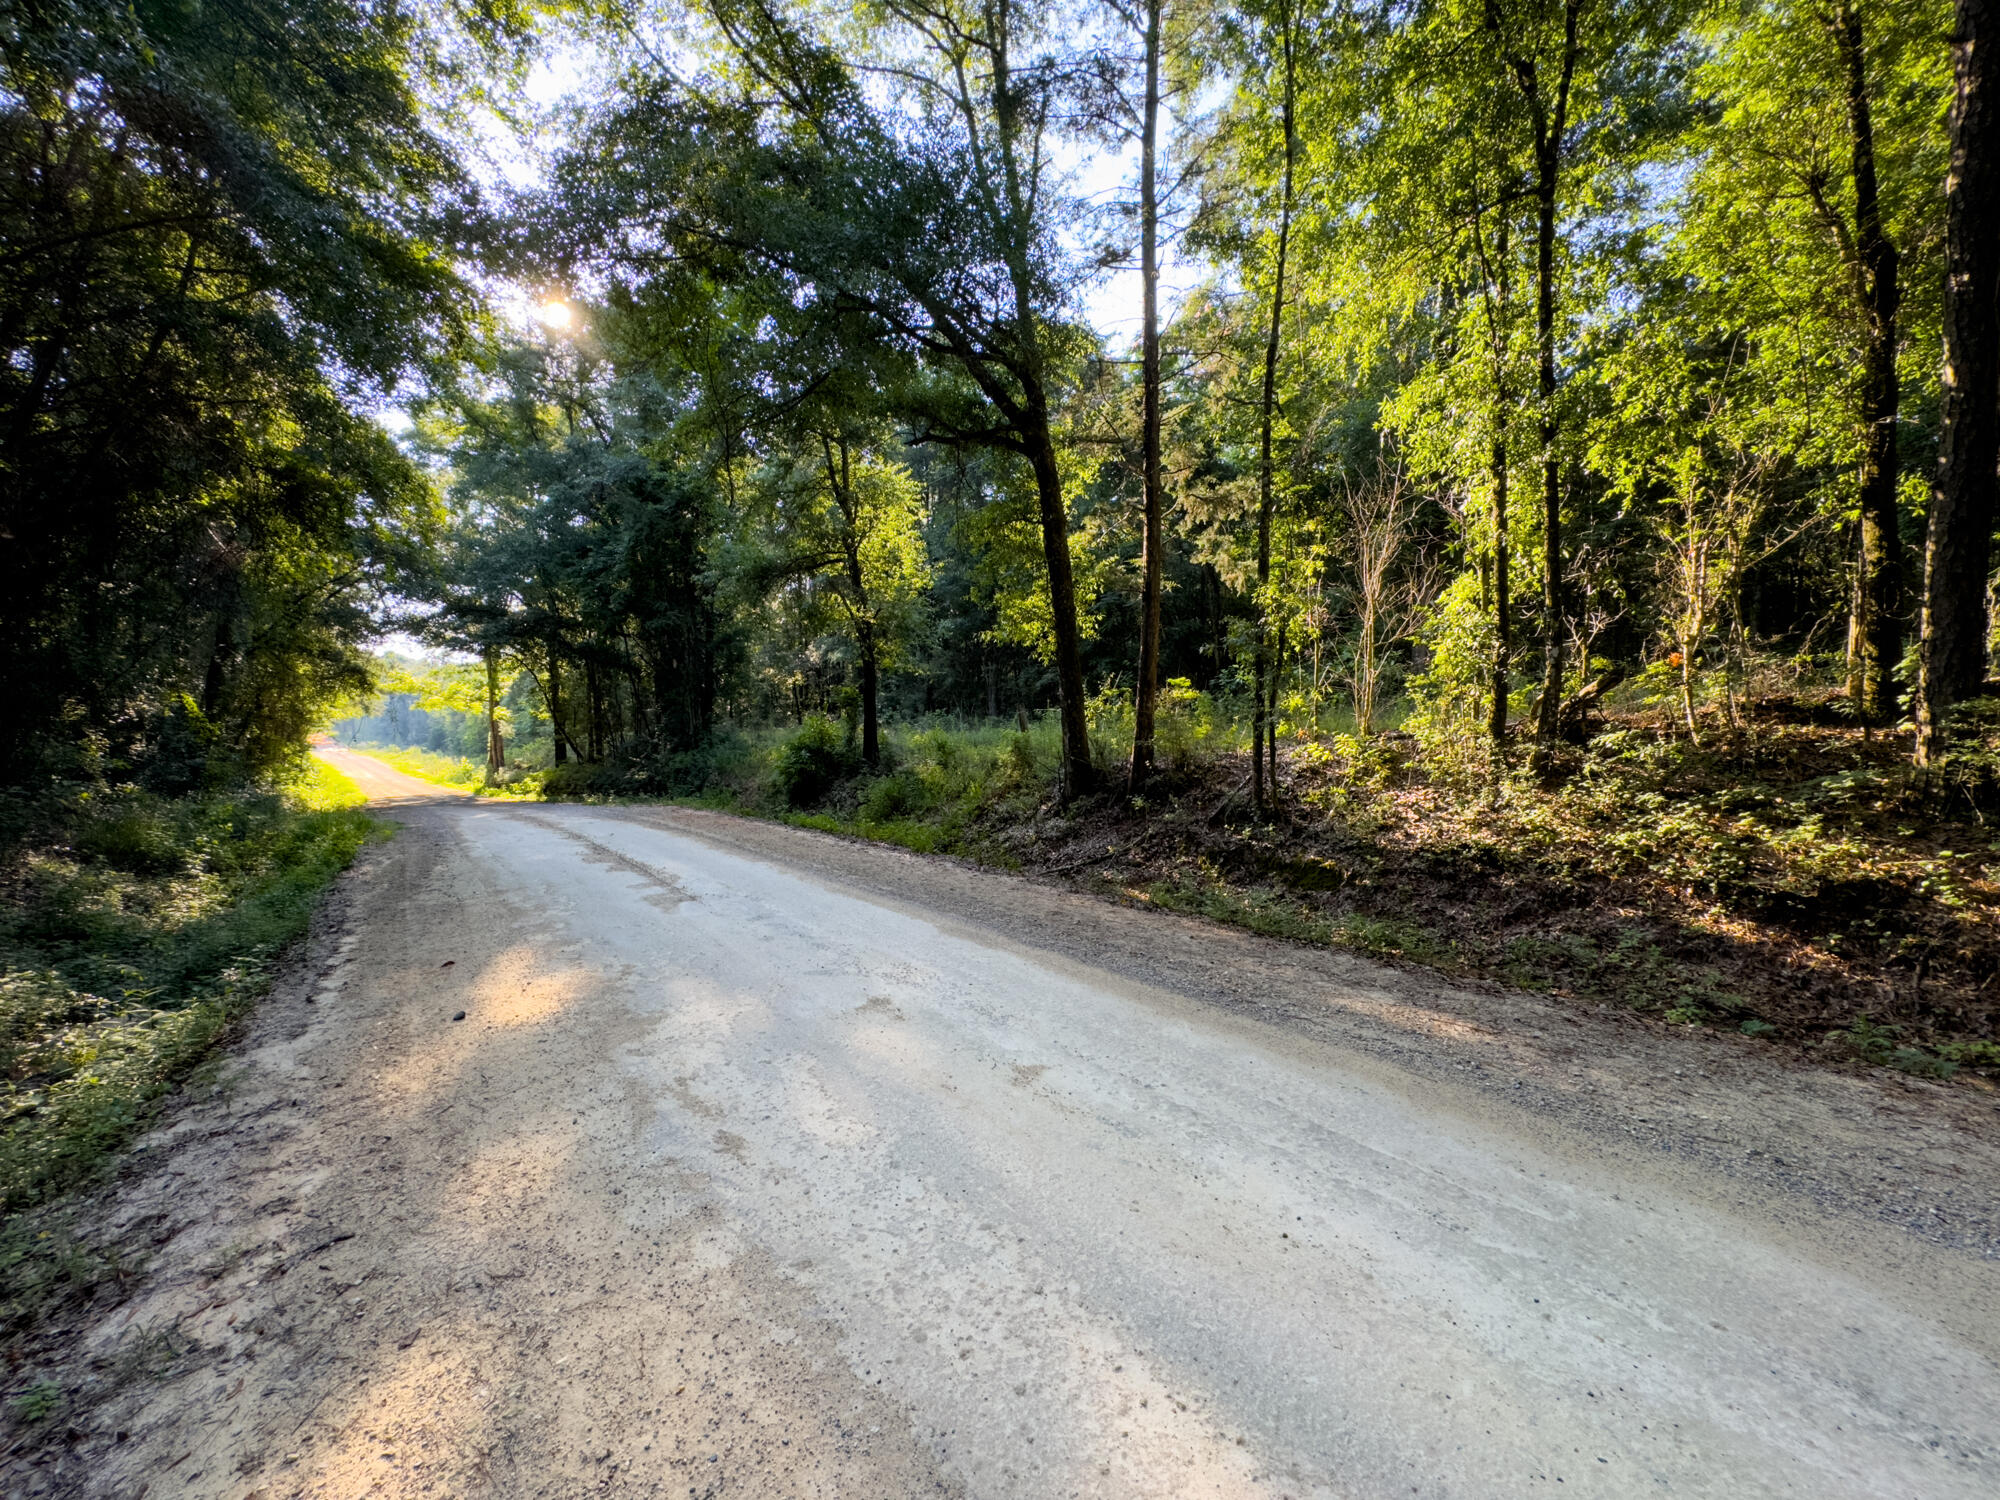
x=1628, y=970
x=134, y=930
x=923, y=838
x=1275, y=915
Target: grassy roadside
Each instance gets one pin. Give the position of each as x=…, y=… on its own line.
x=134, y=930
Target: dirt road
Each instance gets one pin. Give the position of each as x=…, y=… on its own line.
x=766, y=1164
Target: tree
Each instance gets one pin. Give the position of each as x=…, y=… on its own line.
x=933, y=224
x=1543, y=64
x=1952, y=661
x=1810, y=221
x=1874, y=262
x=1146, y=21
x=1247, y=218
x=1263, y=719
x=581, y=542
x=848, y=523
x=220, y=227
x=1391, y=590
x=1489, y=181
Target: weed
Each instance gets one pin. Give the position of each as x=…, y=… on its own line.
x=43, y=1263
x=1976, y=1054
x=894, y=796
x=38, y=1401
x=125, y=954
x=1881, y=1045
x=1631, y=971
x=1393, y=937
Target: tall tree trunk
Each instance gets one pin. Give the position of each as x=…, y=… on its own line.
x=595, y=733
x=871, y=724
x=1031, y=412
x=1547, y=173
x=1957, y=551
x=1550, y=119
x=1878, y=631
x=1496, y=717
x=840, y=478
x=561, y=748
x=1077, y=775
x=496, y=749
x=1498, y=282
x=1218, y=640
x=222, y=650
x=1149, y=425
x=1264, y=687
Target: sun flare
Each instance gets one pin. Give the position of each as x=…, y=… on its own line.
x=556, y=313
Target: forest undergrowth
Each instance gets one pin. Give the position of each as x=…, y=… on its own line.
x=1789, y=878
x=135, y=929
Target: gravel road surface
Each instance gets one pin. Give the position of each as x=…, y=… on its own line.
x=767, y=1164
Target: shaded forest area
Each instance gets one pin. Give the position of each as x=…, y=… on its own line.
x=1531, y=512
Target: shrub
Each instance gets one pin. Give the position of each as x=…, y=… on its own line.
x=895, y=796
x=1192, y=728
x=813, y=762
x=576, y=779
x=139, y=842
x=128, y=947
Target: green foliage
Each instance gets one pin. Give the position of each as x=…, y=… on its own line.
x=39, y=1400
x=137, y=929
x=1448, y=697
x=813, y=762
x=1204, y=893
x=223, y=233
x=1630, y=970
x=1882, y=1045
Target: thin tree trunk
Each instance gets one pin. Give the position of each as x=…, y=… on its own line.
x=1077, y=775
x=1548, y=169
x=1496, y=718
x=1878, y=633
x=1218, y=639
x=1551, y=121
x=1502, y=604
x=840, y=476
x=496, y=749
x=1149, y=437
x=1264, y=687
x=1271, y=716
x=1364, y=708
x=561, y=748
x=1957, y=551
x=595, y=733
x=871, y=724
x=223, y=647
